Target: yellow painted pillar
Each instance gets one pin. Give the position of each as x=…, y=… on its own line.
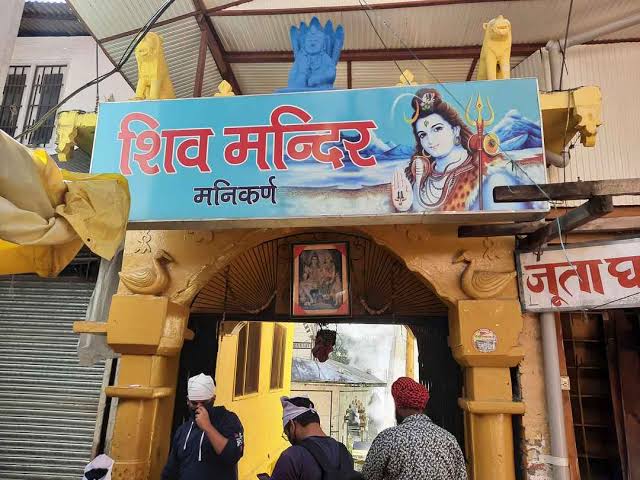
x=410, y=371
x=148, y=332
x=484, y=339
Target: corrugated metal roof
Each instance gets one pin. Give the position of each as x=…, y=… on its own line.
x=107, y=18
x=37, y=27
x=212, y=77
x=386, y=74
x=310, y=371
x=49, y=19
x=258, y=78
x=181, y=40
x=534, y=21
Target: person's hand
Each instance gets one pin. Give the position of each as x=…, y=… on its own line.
x=202, y=418
x=401, y=192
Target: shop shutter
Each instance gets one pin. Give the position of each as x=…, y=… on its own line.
x=48, y=403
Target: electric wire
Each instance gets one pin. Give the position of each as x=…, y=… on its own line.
x=510, y=159
x=123, y=60
x=564, y=48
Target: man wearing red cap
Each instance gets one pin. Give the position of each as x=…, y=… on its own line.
x=415, y=449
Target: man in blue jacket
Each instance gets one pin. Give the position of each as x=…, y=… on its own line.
x=211, y=443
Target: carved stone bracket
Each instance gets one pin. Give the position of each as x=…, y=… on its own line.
x=151, y=280
x=481, y=284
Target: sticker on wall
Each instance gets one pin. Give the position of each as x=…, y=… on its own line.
x=485, y=340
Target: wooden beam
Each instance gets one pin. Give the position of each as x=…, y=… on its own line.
x=202, y=58
x=220, y=8
x=607, y=224
x=566, y=190
x=382, y=54
x=353, y=8
x=216, y=49
x=596, y=207
x=349, y=76
x=472, y=68
x=499, y=229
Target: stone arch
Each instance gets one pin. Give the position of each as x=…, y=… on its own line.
x=426, y=250
x=258, y=279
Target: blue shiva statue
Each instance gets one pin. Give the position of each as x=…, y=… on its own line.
x=316, y=52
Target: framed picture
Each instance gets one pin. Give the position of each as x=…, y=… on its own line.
x=320, y=280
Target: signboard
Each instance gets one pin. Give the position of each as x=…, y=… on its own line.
x=384, y=155
x=601, y=275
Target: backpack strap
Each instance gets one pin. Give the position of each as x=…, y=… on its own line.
x=318, y=455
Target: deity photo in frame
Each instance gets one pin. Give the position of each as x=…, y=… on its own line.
x=320, y=280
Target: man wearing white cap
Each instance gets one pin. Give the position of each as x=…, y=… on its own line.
x=211, y=443
x=312, y=455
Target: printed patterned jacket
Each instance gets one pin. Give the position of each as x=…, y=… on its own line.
x=417, y=449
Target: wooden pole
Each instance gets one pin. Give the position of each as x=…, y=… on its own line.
x=566, y=190
x=594, y=208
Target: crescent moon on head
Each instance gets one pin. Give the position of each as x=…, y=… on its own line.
x=395, y=103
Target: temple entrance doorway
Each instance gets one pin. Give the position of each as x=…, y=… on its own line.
x=257, y=322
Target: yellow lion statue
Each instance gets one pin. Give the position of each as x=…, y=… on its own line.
x=495, y=55
x=153, y=75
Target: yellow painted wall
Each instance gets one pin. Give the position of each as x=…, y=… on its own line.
x=260, y=413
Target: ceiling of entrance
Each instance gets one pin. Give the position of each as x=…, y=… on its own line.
x=259, y=280
x=251, y=37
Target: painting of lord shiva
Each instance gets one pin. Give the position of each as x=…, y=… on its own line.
x=455, y=168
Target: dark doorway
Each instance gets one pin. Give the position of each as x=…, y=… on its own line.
x=197, y=356
x=442, y=375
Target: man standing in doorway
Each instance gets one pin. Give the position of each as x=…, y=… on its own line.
x=415, y=449
x=210, y=444
x=312, y=455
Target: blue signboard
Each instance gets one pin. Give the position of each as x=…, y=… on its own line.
x=388, y=155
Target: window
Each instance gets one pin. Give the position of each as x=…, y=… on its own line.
x=277, y=357
x=12, y=99
x=248, y=359
x=45, y=93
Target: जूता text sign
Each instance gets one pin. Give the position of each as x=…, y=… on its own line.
x=601, y=275
x=384, y=155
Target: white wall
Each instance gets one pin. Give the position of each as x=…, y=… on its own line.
x=9, y=25
x=78, y=54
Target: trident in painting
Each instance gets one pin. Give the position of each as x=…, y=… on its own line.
x=483, y=145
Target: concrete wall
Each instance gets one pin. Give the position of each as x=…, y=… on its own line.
x=79, y=56
x=9, y=24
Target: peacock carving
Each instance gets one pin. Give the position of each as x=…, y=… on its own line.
x=481, y=284
x=152, y=280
